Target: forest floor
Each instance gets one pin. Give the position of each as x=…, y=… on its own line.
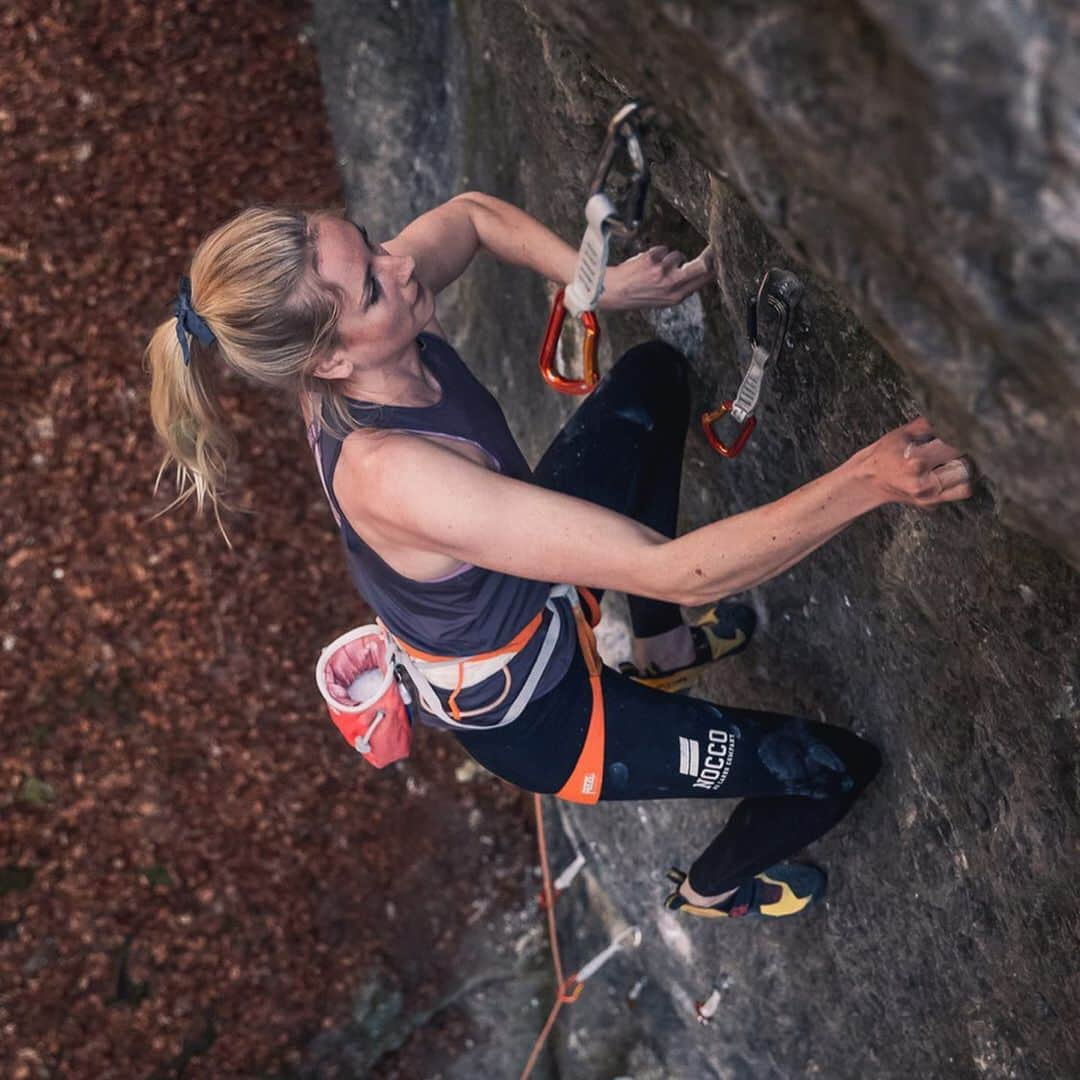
x=196, y=873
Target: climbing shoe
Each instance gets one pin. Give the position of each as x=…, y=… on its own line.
x=722, y=631
x=784, y=889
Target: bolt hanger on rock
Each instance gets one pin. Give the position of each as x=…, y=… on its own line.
x=768, y=320
x=602, y=218
x=706, y=1009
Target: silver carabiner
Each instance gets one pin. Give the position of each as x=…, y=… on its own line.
x=626, y=130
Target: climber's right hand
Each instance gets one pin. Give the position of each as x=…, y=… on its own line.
x=657, y=278
x=910, y=465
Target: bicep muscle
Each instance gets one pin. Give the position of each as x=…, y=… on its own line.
x=428, y=497
x=443, y=242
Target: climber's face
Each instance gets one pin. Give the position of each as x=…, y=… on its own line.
x=386, y=304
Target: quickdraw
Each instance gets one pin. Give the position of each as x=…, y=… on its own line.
x=602, y=219
x=768, y=320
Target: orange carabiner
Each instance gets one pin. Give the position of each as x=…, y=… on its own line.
x=590, y=371
x=710, y=418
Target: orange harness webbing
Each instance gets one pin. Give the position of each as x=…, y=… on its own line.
x=516, y=644
x=587, y=779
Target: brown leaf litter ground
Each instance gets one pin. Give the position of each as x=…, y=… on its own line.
x=195, y=869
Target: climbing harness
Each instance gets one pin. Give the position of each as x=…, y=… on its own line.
x=567, y=989
x=375, y=719
x=768, y=319
x=602, y=218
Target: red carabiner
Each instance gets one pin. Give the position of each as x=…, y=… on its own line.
x=590, y=372
x=710, y=418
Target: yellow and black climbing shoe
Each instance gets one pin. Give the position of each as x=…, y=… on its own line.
x=724, y=630
x=784, y=889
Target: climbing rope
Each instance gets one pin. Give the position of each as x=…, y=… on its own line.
x=567, y=989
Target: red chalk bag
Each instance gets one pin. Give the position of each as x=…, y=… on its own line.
x=378, y=725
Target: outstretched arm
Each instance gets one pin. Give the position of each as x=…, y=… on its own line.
x=445, y=240
x=429, y=498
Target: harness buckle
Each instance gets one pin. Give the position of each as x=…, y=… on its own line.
x=602, y=218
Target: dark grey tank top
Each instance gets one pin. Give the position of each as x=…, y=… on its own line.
x=473, y=610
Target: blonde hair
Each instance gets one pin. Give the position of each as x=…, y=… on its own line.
x=255, y=283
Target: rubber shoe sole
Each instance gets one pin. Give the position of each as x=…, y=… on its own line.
x=723, y=631
x=784, y=889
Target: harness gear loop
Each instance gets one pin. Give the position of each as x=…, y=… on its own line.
x=425, y=670
x=602, y=218
x=769, y=316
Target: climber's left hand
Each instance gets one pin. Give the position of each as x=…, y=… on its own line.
x=657, y=278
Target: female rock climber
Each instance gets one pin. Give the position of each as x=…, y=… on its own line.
x=455, y=541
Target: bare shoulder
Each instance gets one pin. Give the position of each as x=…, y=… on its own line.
x=359, y=458
x=381, y=483
x=421, y=503
x=390, y=475
x=375, y=457
x=380, y=470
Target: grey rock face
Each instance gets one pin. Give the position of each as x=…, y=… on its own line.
x=381, y=80
x=916, y=165
x=924, y=158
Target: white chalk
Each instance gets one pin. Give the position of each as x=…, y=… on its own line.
x=365, y=685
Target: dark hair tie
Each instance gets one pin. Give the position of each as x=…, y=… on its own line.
x=188, y=321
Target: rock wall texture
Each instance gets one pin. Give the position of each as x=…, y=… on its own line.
x=916, y=164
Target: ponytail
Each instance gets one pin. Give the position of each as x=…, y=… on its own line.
x=184, y=410
x=269, y=316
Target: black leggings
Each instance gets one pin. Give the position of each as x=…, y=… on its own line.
x=623, y=449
